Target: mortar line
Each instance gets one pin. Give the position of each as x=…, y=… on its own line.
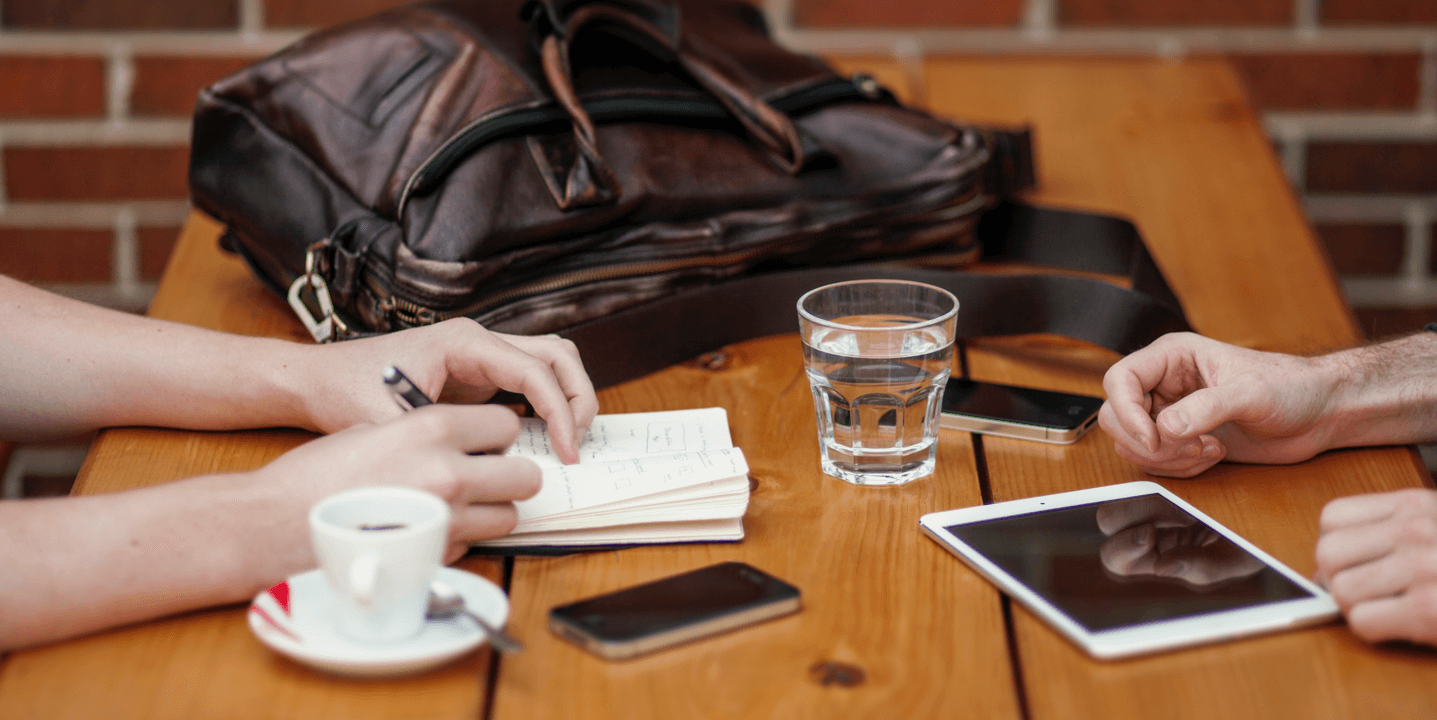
x=251, y=18
x=1427, y=83
x=119, y=81
x=1417, y=255
x=126, y=252
x=1305, y=15
x=1040, y=18
x=4, y=199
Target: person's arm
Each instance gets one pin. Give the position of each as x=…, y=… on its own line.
x=70, y=566
x=67, y=367
x=1187, y=402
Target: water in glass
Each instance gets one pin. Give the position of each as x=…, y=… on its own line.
x=877, y=397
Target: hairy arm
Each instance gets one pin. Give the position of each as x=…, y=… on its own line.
x=1187, y=402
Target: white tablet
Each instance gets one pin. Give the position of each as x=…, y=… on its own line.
x=1129, y=569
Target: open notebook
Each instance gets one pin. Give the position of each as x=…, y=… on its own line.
x=659, y=477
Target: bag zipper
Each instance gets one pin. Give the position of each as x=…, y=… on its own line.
x=609, y=109
x=416, y=314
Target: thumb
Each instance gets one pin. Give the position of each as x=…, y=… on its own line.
x=1201, y=411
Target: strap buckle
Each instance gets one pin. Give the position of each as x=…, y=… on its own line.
x=329, y=327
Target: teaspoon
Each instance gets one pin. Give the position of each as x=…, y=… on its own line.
x=446, y=603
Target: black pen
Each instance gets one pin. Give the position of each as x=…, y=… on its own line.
x=406, y=394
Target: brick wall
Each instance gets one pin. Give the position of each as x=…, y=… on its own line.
x=95, y=96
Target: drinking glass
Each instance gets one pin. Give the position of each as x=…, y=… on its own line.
x=878, y=354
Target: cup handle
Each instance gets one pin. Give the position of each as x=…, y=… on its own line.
x=363, y=576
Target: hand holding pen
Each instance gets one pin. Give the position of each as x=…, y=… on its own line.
x=406, y=395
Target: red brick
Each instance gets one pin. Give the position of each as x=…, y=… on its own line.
x=1372, y=167
x=1157, y=13
x=1331, y=81
x=169, y=85
x=156, y=244
x=1385, y=323
x=120, y=14
x=1372, y=12
x=56, y=255
x=51, y=86
x=319, y=13
x=1364, y=249
x=96, y=173
x=909, y=13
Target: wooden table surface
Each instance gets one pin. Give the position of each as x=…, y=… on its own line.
x=893, y=626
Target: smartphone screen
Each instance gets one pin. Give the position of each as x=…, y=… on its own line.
x=674, y=610
x=1014, y=411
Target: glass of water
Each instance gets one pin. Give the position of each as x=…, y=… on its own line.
x=878, y=354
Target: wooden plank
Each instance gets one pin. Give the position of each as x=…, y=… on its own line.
x=207, y=663
x=1171, y=146
x=879, y=597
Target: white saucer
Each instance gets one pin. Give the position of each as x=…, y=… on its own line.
x=294, y=619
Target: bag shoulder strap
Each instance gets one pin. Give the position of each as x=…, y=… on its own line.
x=649, y=337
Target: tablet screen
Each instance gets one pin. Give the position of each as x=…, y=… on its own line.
x=1125, y=562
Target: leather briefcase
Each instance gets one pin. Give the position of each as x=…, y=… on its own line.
x=617, y=171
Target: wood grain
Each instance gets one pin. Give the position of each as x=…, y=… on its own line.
x=878, y=596
x=207, y=663
x=1171, y=146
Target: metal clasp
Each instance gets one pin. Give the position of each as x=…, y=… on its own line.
x=324, y=329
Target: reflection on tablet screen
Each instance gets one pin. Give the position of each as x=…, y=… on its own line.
x=1126, y=562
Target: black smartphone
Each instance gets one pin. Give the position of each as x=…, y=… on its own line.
x=663, y=613
x=1018, y=412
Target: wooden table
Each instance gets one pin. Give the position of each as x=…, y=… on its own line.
x=893, y=626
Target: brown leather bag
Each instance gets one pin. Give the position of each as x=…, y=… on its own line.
x=651, y=178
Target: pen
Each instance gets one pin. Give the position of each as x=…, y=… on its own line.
x=404, y=391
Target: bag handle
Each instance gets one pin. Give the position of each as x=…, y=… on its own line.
x=590, y=181
x=646, y=338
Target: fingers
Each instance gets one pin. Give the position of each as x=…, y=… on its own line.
x=1121, y=514
x=472, y=523
x=1174, y=459
x=465, y=428
x=546, y=370
x=1130, y=552
x=1124, y=414
x=1204, y=409
x=1385, y=577
x=1367, y=508
x=563, y=358
x=1342, y=549
x=1411, y=616
x=1206, y=564
x=494, y=478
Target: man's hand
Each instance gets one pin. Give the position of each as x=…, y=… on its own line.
x=1378, y=557
x=342, y=381
x=1185, y=402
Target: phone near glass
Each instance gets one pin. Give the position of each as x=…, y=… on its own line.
x=1018, y=412
x=667, y=612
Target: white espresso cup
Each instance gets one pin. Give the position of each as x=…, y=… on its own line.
x=380, y=547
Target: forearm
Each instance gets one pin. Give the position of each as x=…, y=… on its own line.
x=1385, y=394
x=70, y=367
x=76, y=565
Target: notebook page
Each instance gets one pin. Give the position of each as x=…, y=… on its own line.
x=630, y=435
x=571, y=487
